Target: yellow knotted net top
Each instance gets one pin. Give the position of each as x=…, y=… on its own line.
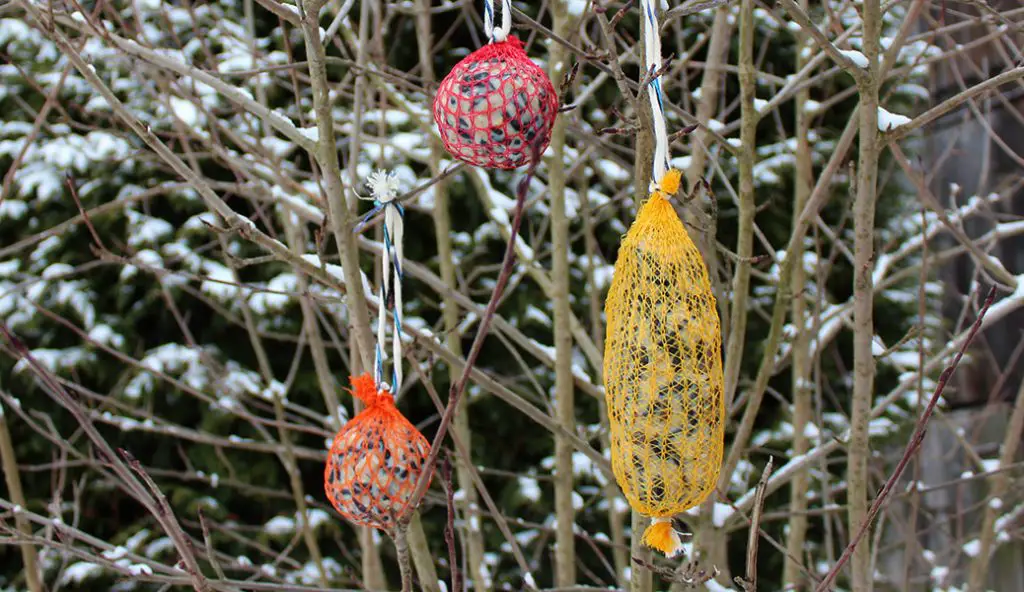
x=663, y=364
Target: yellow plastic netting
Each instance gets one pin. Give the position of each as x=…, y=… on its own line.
x=663, y=369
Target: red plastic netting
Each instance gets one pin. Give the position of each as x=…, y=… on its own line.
x=375, y=461
x=494, y=105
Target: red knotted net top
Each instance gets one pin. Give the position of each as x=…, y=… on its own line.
x=375, y=461
x=494, y=105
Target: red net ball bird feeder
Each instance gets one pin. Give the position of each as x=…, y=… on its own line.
x=494, y=106
x=375, y=461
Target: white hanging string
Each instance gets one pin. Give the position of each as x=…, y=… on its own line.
x=384, y=187
x=500, y=34
x=652, y=60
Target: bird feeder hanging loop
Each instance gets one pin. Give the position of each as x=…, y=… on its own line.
x=497, y=35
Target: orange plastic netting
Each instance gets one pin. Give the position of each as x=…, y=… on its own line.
x=663, y=369
x=375, y=460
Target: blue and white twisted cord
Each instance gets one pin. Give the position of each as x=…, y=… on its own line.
x=502, y=32
x=652, y=60
x=384, y=187
x=391, y=265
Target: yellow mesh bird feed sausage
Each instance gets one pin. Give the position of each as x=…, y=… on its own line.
x=663, y=369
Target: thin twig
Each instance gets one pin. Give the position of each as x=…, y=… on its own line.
x=70, y=182
x=449, y=527
x=159, y=510
x=279, y=122
x=912, y=447
x=767, y=367
x=12, y=477
x=691, y=7
x=477, y=482
x=341, y=208
x=211, y=556
x=865, y=193
x=620, y=13
x=749, y=583
x=457, y=389
x=990, y=264
x=688, y=573
x=400, y=537
x=564, y=392
x=737, y=319
x=165, y=514
x=954, y=102
x=613, y=60
x=999, y=483
x=841, y=59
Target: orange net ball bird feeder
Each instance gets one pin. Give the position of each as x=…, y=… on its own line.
x=495, y=106
x=375, y=461
x=663, y=370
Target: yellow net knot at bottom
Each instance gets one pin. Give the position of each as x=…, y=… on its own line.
x=662, y=537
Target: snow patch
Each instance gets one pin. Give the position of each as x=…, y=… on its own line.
x=860, y=60
x=185, y=110
x=972, y=548
x=279, y=525
x=140, y=569
x=76, y=573
x=577, y=7
x=889, y=121
x=529, y=488
x=721, y=514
